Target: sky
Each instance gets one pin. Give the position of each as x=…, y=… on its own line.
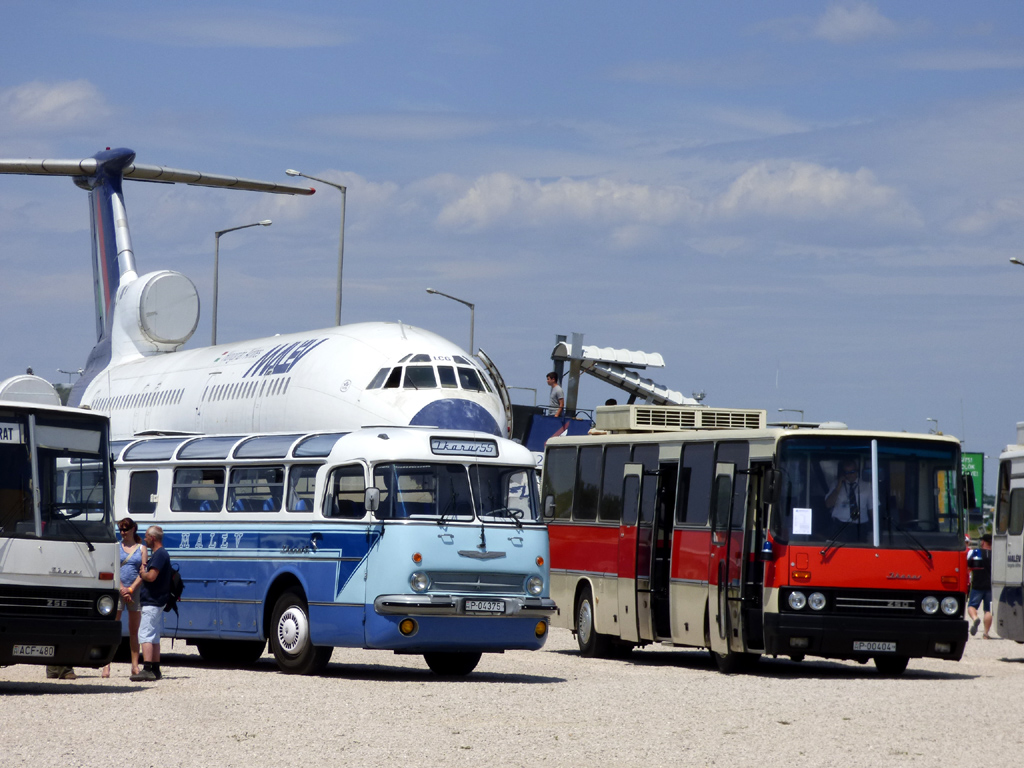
x=800, y=205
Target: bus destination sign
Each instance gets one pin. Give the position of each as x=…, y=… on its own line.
x=10, y=432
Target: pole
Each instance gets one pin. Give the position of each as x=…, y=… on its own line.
x=216, y=269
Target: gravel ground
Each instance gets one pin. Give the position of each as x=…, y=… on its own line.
x=548, y=708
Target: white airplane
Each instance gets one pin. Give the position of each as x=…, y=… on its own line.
x=339, y=378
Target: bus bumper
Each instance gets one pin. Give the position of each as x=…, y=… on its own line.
x=455, y=605
x=65, y=642
x=863, y=637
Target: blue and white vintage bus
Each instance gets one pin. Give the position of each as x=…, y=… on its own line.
x=409, y=539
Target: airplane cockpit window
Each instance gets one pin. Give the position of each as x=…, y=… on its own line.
x=447, y=376
x=461, y=360
x=405, y=358
x=420, y=377
x=378, y=380
x=470, y=379
x=420, y=359
x=394, y=379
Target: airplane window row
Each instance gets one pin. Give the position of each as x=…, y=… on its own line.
x=243, y=390
x=141, y=400
x=429, y=377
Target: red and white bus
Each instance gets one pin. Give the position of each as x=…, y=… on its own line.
x=702, y=527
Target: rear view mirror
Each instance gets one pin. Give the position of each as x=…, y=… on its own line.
x=549, y=507
x=371, y=499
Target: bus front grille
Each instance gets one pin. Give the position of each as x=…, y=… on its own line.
x=491, y=583
x=47, y=602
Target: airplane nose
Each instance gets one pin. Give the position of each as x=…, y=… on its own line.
x=456, y=414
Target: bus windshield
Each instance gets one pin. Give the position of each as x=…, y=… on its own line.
x=826, y=493
x=72, y=477
x=440, y=492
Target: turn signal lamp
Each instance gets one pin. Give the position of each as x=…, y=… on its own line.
x=407, y=627
x=106, y=575
x=417, y=558
x=950, y=581
x=540, y=561
x=540, y=630
x=801, y=575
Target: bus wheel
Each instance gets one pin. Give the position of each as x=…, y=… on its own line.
x=235, y=653
x=591, y=643
x=452, y=664
x=731, y=662
x=891, y=666
x=290, y=638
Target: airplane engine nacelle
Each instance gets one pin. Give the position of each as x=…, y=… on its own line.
x=159, y=311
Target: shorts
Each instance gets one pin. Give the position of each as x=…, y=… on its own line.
x=981, y=595
x=133, y=605
x=151, y=624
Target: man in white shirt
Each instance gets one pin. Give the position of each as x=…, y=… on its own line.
x=850, y=500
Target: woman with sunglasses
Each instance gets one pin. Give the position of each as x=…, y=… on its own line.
x=133, y=559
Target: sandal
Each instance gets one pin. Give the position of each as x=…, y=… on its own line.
x=105, y=672
x=986, y=637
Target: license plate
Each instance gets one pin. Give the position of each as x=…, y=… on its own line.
x=872, y=647
x=37, y=651
x=485, y=606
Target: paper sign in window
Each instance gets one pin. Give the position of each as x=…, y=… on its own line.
x=801, y=521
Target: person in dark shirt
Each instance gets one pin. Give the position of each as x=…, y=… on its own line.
x=156, y=589
x=980, y=562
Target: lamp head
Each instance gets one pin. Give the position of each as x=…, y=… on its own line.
x=266, y=223
x=292, y=172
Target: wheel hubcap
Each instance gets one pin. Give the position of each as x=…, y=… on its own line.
x=585, y=621
x=292, y=630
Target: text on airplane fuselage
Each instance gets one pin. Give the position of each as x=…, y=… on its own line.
x=282, y=358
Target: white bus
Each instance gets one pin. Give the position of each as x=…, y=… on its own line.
x=1008, y=543
x=410, y=539
x=58, y=553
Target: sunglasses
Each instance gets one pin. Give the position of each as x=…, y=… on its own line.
x=125, y=529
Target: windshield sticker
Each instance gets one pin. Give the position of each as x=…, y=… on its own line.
x=801, y=521
x=10, y=432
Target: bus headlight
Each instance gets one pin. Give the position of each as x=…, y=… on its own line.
x=797, y=600
x=930, y=605
x=105, y=605
x=950, y=606
x=816, y=601
x=419, y=581
x=535, y=585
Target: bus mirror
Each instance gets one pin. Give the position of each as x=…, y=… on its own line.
x=773, y=485
x=371, y=499
x=549, y=507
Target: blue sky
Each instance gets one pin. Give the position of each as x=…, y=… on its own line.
x=799, y=204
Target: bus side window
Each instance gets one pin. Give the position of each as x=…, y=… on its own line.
x=559, y=482
x=142, y=495
x=615, y=458
x=588, y=483
x=302, y=487
x=723, y=495
x=1016, y=526
x=199, y=489
x=698, y=473
x=345, y=497
x=255, y=489
x=1003, y=498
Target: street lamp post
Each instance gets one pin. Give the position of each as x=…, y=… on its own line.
x=793, y=410
x=1015, y=260
x=936, y=430
x=472, y=314
x=341, y=238
x=216, y=269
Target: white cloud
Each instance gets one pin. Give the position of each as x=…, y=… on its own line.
x=252, y=30
x=408, y=126
x=43, y=106
x=998, y=213
x=799, y=190
x=849, y=23
x=503, y=198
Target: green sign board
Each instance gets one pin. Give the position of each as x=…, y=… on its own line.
x=973, y=465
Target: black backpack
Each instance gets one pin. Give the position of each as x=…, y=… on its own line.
x=177, y=587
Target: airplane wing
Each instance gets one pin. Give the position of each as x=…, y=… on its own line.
x=140, y=172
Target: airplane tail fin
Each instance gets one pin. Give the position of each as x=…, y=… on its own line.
x=113, y=260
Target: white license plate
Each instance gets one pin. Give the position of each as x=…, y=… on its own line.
x=872, y=647
x=37, y=651
x=485, y=606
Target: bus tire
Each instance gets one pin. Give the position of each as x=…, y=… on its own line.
x=451, y=664
x=591, y=643
x=290, y=638
x=234, y=653
x=891, y=666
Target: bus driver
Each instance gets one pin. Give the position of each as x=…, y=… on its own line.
x=850, y=497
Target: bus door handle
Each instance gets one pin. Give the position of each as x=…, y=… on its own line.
x=447, y=538
x=517, y=541
x=314, y=538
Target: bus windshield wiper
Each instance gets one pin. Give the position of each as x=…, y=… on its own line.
x=832, y=543
x=910, y=536
x=74, y=525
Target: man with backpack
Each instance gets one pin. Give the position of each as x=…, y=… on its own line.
x=155, y=592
